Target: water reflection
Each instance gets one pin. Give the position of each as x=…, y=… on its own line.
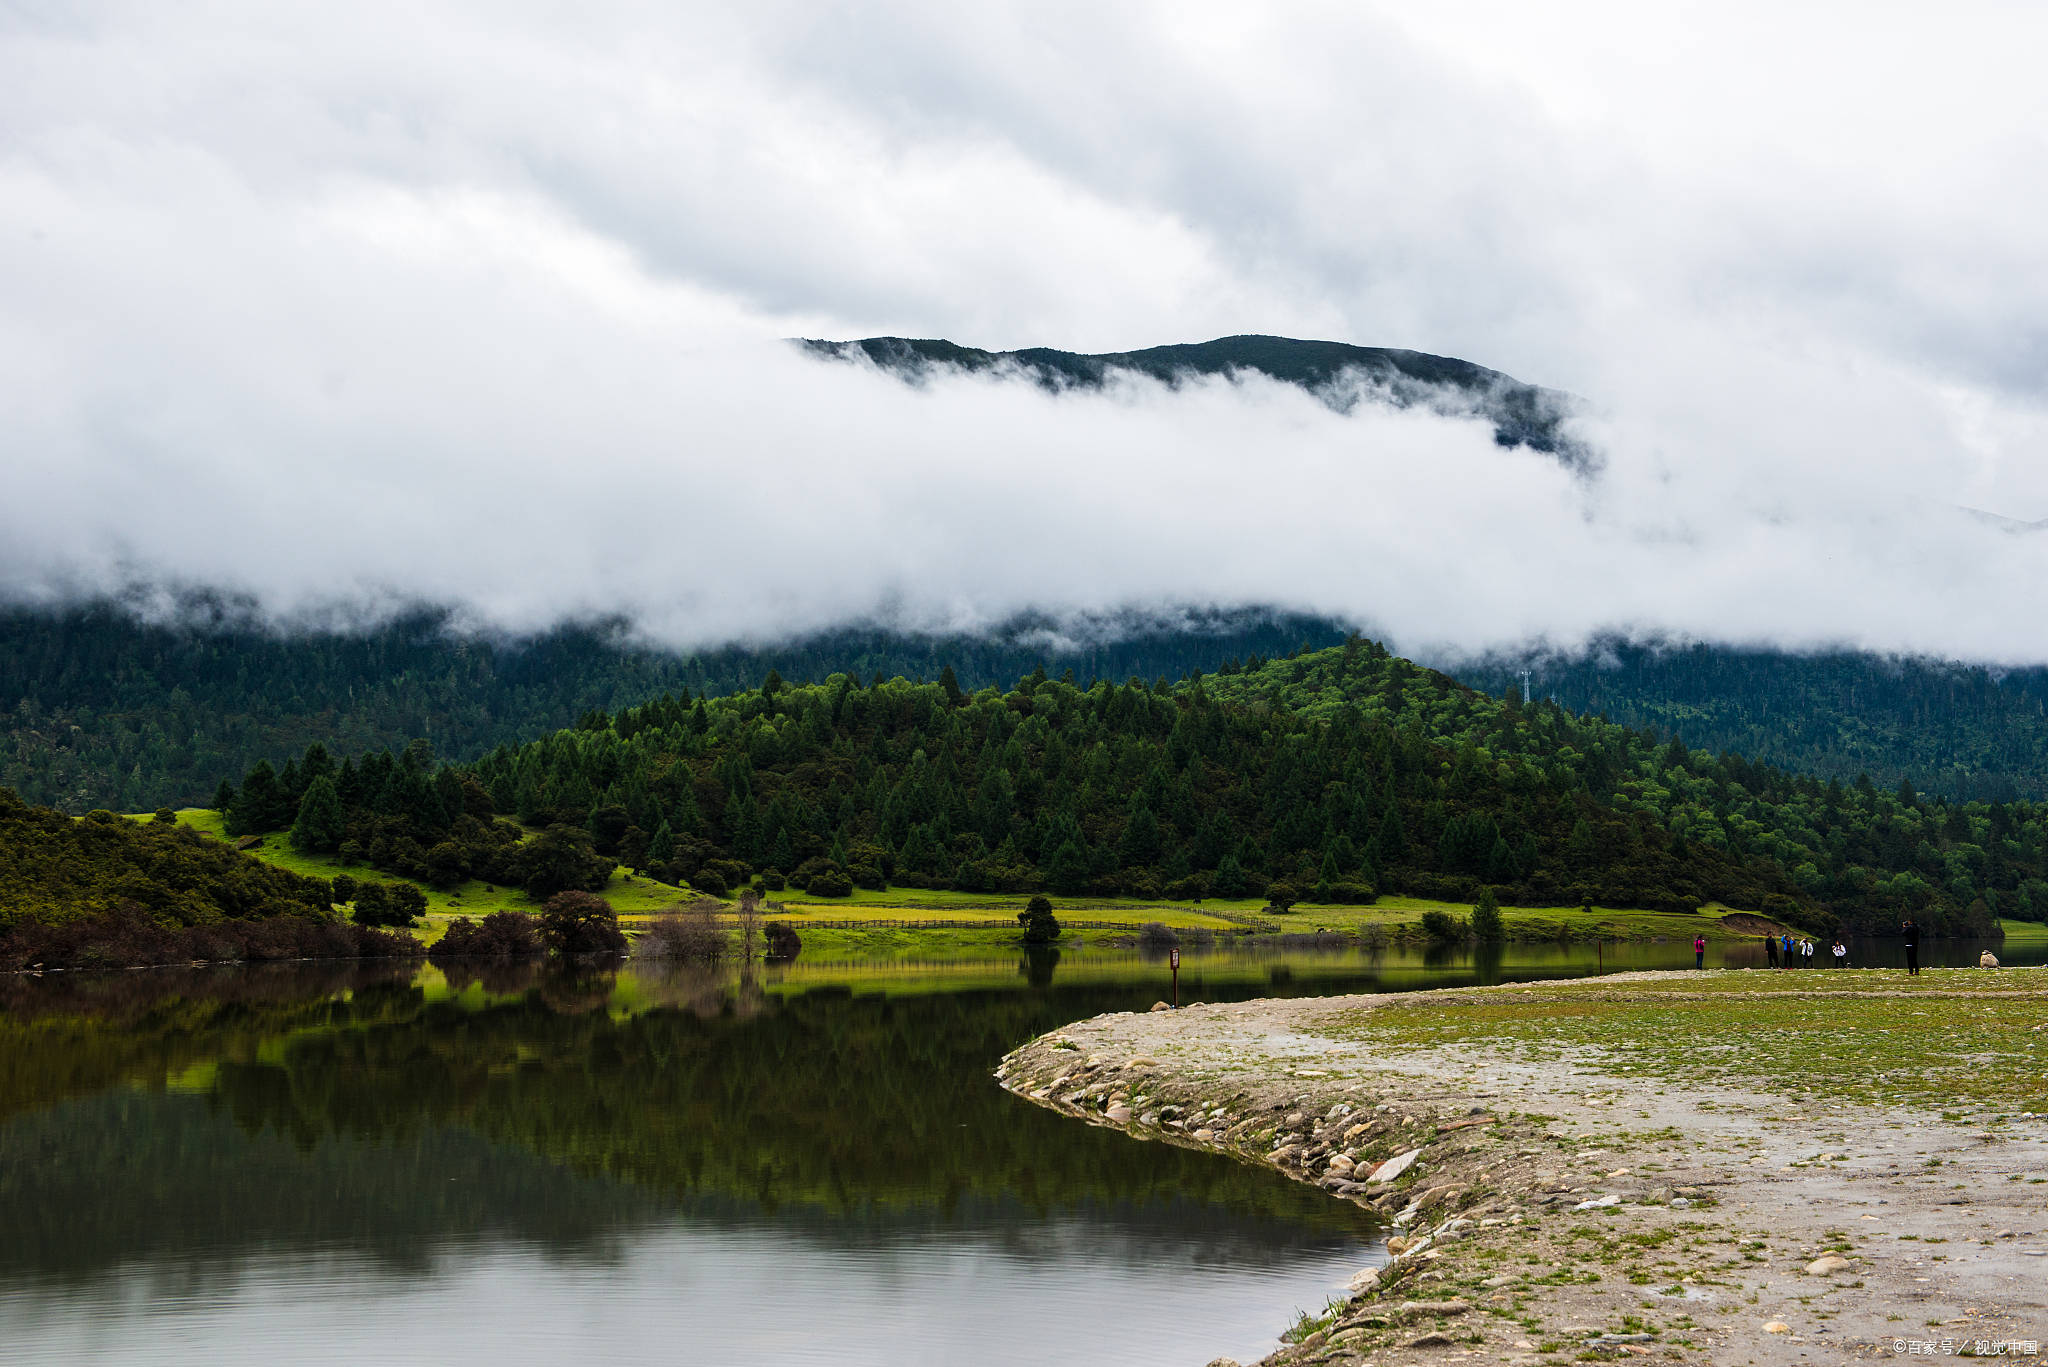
x=730, y=1170
x=801, y=1162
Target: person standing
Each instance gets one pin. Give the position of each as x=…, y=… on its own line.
x=1911, y=934
x=1699, y=951
x=1806, y=954
x=1771, y=950
x=1841, y=953
x=1785, y=951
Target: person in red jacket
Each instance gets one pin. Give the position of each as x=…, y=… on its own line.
x=1699, y=951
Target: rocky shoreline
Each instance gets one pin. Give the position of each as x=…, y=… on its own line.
x=1527, y=1225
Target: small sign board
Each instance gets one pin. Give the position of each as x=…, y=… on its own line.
x=1173, y=958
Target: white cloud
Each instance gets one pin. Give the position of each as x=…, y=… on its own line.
x=475, y=303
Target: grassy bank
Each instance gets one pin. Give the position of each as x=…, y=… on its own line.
x=2027, y=935
x=900, y=921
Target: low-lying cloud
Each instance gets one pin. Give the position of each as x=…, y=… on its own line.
x=494, y=322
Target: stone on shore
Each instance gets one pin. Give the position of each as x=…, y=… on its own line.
x=1826, y=1266
x=1394, y=1167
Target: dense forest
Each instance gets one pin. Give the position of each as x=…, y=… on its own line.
x=1965, y=731
x=1331, y=776
x=105, y=710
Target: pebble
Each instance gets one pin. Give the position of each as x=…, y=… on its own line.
x=1826, y=1266
x=1118, y=1113
x=1598, y=1203
x=1777, y=1327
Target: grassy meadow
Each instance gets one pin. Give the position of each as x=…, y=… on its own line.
x=1966, y=1041
x=919, y=923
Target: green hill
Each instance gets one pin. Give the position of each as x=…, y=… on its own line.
x=1333, y=776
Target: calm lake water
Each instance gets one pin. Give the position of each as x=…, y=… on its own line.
x=520, y=1167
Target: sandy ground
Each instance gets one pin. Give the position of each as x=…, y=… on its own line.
x=1724, y=1200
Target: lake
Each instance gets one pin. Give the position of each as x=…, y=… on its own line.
x=810, y=1164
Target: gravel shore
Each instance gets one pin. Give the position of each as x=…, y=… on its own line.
x=1548, y=1205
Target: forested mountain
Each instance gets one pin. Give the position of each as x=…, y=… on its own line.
x=1960, y=730
x=1331, y=776
x=104, y=710
x=1341, y=374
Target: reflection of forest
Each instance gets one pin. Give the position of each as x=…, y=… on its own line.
x=324, y=1112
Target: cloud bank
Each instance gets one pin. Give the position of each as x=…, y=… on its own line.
x=480, y=305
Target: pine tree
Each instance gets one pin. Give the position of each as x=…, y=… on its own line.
x=319, y=827
x=1486, y=922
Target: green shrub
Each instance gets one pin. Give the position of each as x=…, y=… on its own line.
x=830, y=883
x=1442, y=927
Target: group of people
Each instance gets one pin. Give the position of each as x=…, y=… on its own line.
x=1787, y=951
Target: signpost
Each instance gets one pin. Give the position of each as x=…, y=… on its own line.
x=1173, y=958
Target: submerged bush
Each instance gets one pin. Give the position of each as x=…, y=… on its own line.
x=1156, y=935
x=691, y=933
x=1442, y=927
x=575, y=923
x=500, y=935
x=783, y=941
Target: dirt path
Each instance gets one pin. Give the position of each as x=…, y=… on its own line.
x=1558, y=1209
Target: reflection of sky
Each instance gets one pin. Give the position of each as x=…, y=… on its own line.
x=1069, y=1288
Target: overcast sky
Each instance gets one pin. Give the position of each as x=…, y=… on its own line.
x=478, y=304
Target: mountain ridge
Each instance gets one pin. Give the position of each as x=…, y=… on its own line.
x=1340, y=373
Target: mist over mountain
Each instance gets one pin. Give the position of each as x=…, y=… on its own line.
x=1340, y=374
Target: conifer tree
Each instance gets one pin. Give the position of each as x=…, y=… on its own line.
x=319, y=827
x=1486, y=922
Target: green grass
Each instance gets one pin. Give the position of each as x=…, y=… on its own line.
x=637, y=897
x=2029, y=935
x=1960, y=1038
